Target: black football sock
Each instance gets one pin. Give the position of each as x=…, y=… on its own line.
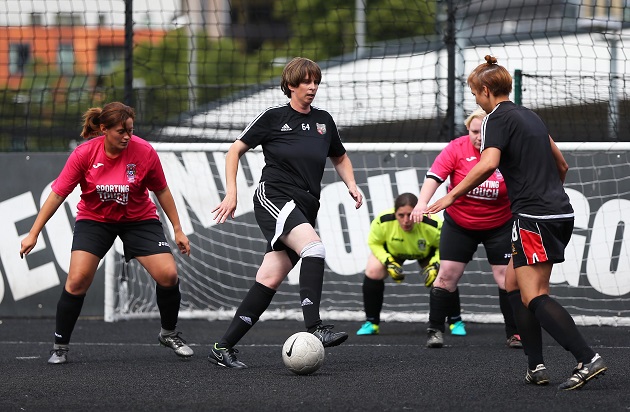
x=373, y=292
x=529, y=329
x=249, y=311
x=508, y=315
x=311, y=283
x=561, y=326
x=68, y=310
x=455, y=308
x=439, y=305
x=168, y=300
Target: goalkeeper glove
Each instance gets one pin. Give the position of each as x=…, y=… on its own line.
x=430, y=272
x=394, y=270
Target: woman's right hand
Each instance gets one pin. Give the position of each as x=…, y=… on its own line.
x=418, y=212
x=28, y=243
x=225, y=209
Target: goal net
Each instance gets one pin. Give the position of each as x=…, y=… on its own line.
x=593, y=283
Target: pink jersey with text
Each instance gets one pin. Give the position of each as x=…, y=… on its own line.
x=113, y=190
x=485, y=207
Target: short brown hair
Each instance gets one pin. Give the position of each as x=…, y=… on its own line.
x=296, y=71
x=492, y=75
x=112, y=114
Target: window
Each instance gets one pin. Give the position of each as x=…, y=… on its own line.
x=19, y=57
x=69, y=19
x=107, y=57
x=65, y=58
x=37, y=19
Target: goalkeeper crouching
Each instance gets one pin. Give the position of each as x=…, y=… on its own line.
x=395, y=238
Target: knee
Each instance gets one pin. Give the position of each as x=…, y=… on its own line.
x=498, y=272
x=314, y=249
x=449, y=275
x=375, y=270
x=169, y=281
x=439, y=292
x=447, y=280
x=77, y=285
x=270, y=280
x=375, y=274
x=167, y=276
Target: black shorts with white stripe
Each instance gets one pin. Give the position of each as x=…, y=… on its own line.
x=278, y=209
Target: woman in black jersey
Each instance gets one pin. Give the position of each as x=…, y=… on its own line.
x=296, y=138
x=515, y=140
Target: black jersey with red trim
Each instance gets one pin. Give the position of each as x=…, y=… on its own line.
x=295, y=145
x=527, y=164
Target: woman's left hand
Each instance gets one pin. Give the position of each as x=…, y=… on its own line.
x=357, y=196
x=441, y=204
x=182, y=243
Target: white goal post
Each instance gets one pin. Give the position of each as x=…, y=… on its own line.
x=593, y=283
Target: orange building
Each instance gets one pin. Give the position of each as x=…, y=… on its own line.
x=67, y=50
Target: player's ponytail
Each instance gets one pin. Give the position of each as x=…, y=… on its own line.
x=91, y=123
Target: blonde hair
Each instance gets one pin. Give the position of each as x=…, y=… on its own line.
x=477, y=114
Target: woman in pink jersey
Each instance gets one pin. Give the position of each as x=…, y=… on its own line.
x=115, y=170
x=482, y=216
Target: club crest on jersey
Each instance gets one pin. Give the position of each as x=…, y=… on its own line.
x=130, y=172
x=422, y=244
x=321, y=128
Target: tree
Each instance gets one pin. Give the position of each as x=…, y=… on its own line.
x=322, y=29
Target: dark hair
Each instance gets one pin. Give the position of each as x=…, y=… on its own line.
x=296, y=71
x=405, y=199
x=492, y=75
x=111, y=115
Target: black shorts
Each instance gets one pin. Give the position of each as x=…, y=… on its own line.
x=536, y=241
x=459, y=244
x=279, y=209
x=142, y=238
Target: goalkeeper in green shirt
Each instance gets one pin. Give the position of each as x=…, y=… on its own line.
x=395, y=238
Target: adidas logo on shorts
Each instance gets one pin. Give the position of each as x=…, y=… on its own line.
x=306, y=302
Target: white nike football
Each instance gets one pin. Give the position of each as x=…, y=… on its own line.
x=303, y=353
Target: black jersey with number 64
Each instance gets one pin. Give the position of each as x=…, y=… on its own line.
x=295, y=145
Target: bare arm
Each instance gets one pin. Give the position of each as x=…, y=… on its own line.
x=427, y=191
x=343, y=166
x=488, y=163
x=48, y=209
x=165, y=198
x=561, y=164
x=227, y=206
